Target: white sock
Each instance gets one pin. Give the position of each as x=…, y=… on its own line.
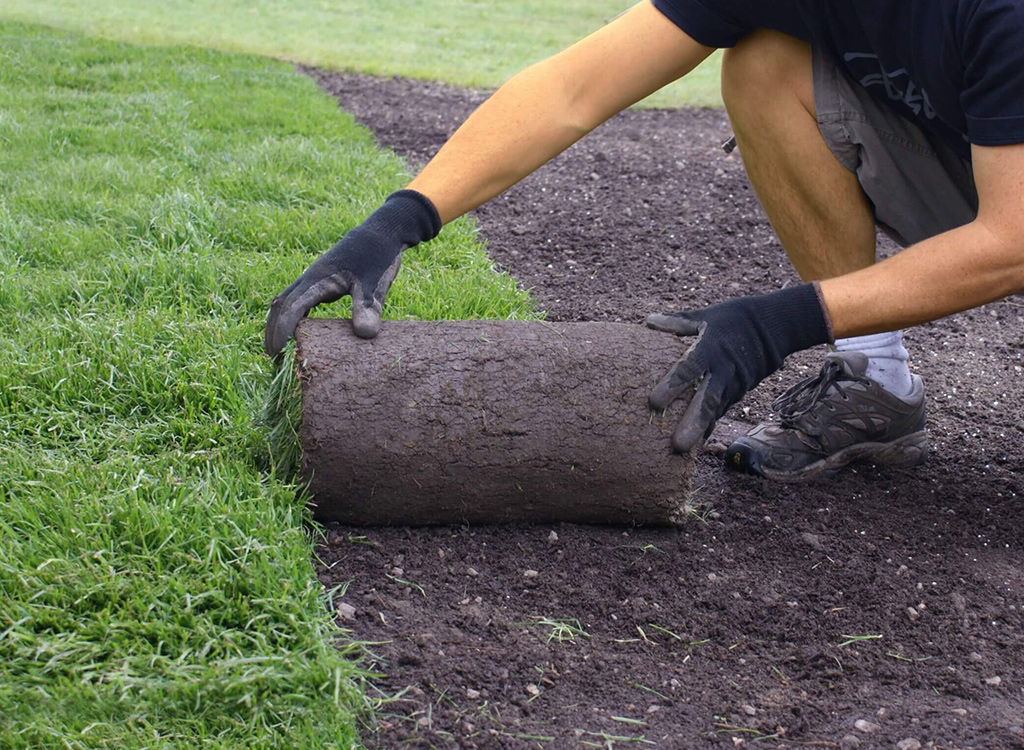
x=887, y=359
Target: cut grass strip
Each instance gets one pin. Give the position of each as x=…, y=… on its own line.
x=156, y=581
x=470, y=43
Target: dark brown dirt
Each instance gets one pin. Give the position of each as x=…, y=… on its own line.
x=761, y=594
x=489, y=421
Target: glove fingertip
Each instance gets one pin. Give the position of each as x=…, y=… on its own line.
x=659, y=322
x=682, y=443
x=271, y=336
x=365, y=321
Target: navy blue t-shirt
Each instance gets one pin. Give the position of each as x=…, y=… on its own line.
x=956, y=67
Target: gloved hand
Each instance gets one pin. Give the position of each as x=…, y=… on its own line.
x=739, y=343
x=363, y=264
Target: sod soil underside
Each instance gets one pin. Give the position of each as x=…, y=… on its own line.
x=731, y=629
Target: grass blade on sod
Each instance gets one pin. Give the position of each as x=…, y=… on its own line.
x=156, y=585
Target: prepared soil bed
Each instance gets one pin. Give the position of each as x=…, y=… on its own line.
x=878, y=608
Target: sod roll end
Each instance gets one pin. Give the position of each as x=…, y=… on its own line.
x=487, y=422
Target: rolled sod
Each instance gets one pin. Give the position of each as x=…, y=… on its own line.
x=487, y=422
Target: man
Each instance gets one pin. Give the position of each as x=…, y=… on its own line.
x=908, y=113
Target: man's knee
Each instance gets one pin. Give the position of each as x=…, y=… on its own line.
x=765, y=65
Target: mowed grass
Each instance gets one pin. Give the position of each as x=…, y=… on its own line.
x=467, y=42
x=156, y=580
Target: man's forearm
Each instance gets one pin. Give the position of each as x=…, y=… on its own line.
x=949, y=273
x=525, y=123
x=549, y=106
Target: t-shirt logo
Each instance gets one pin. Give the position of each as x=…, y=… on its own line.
x=897, y=83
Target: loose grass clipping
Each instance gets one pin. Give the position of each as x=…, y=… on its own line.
x=457, y=422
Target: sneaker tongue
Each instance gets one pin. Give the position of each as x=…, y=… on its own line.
x=854, y=363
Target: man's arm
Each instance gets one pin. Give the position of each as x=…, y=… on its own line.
x=977, y=263
x=742, y=341
x=535, y=116
x=549, y=106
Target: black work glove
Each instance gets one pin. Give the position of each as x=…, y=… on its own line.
x=363, y=264
x=739, y=343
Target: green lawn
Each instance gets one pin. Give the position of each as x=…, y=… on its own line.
x=469, y=42
x=156, y=581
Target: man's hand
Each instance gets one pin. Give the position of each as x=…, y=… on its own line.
x=363, y=264
x=739, y=343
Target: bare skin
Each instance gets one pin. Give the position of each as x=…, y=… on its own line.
x=814, y=203
x=546, y=108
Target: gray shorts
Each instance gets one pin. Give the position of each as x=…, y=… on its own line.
x=917, y=185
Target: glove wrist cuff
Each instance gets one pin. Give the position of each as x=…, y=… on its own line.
x=796, y=318
x=417, y=208
x=824, y=312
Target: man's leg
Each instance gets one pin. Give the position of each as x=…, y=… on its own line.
x=814, y=202
x=825, y=223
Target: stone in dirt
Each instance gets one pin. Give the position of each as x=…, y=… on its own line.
x=911, y=743
x=813, y=540
x=346, y=612
x=863, y=725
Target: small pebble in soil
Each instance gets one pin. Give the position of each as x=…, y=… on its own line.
x=530, y=574
x=346, y=612
x=552, y=537
x=472, y=694
x=471, y=572
x=960, y=711
x=653, y=709
x=812, y=540
x=863, y=725
x=532, y=689
x=748, y=709
x=912, y=614
x=849, y=742
x=911, y=743
x=994, y=681
x=975, y=656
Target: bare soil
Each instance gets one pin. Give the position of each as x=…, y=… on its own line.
x=782, y=615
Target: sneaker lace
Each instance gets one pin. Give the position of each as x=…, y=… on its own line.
x=807, y=394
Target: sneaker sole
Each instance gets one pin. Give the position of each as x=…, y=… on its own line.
x=909, y=450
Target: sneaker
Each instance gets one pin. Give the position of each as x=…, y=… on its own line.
x=832, y=419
